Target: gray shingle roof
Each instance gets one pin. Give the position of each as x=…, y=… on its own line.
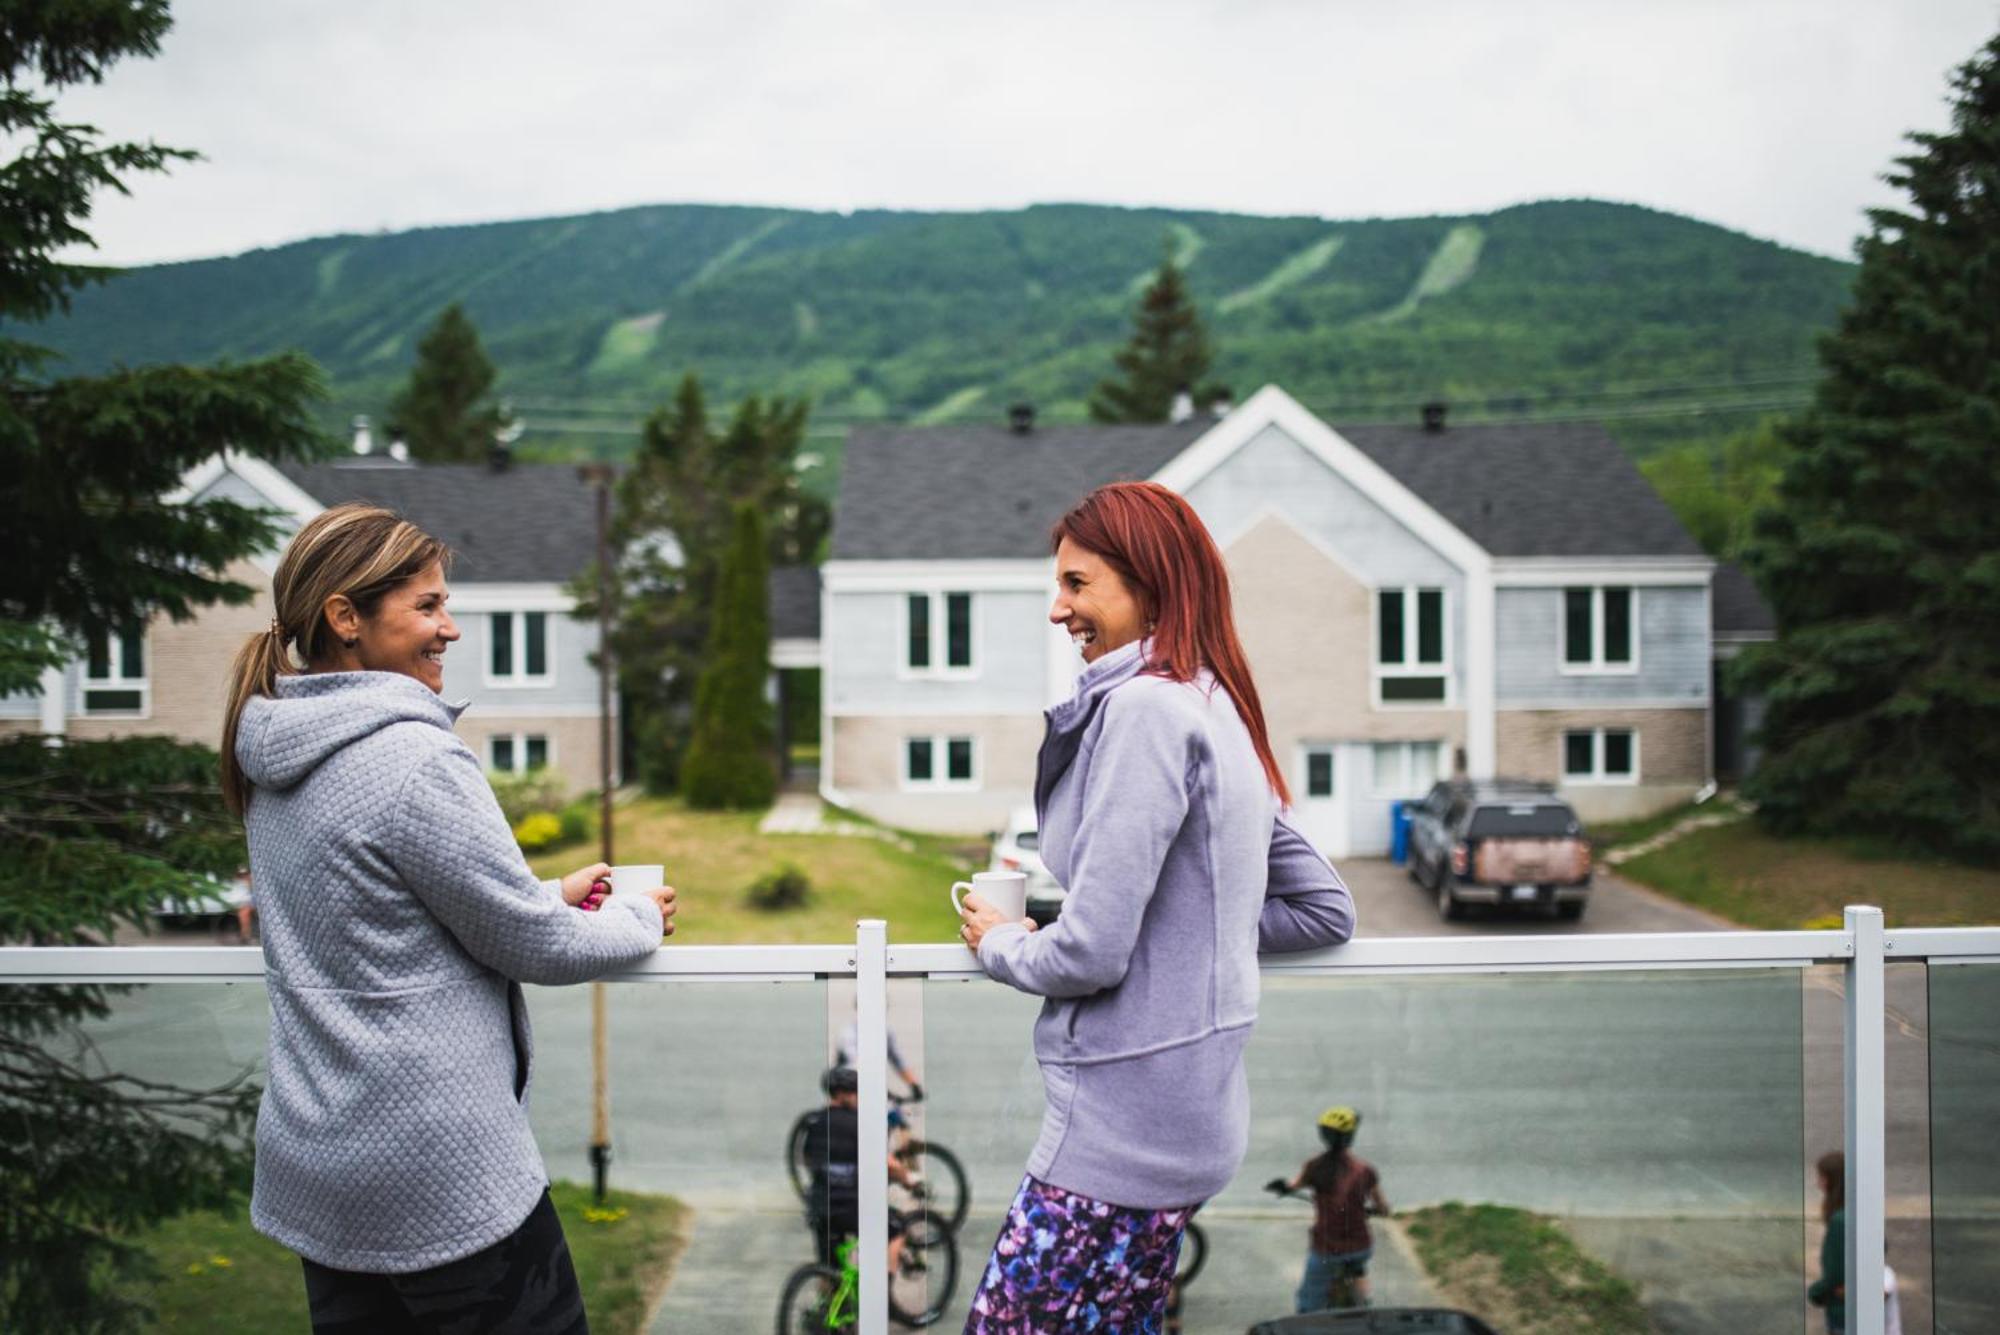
x=532, y=523
x=930, y=493
x=795, y=603
x=1736, y=606
x=969, y=492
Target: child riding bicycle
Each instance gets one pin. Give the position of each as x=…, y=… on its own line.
x=833, y=1153
x=1345, y=1191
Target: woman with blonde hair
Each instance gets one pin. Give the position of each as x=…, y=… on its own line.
x=1162, y=813
x=399, y=920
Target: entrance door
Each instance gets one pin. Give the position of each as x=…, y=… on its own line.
x=1317, y=806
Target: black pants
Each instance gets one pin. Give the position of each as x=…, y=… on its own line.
x=523, y=1284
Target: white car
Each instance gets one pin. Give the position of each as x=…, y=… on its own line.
x=1017, y=848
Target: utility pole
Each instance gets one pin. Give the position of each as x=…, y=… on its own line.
x=599, y=476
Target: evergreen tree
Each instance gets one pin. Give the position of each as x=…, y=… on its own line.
x=729, y=763
x=1168, y=353
x=675, y=511
x=443, y=413
x=96, y=833
x=1882, y=556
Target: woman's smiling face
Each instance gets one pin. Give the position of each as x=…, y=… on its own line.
x=410, y=630
x=1093, y=603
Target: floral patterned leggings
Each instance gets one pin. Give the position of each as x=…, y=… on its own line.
x=1066, y=1263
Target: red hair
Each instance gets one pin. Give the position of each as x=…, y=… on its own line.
x=1163, y=552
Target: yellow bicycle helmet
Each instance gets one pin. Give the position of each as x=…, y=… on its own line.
x=1337, y=1126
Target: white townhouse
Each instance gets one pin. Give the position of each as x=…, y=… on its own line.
x=1416, y=601
x=520, y=532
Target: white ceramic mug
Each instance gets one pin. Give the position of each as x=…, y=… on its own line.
x=637, y=878
x=1006, y=891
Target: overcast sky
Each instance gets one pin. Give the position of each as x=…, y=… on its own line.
x=1775, y=117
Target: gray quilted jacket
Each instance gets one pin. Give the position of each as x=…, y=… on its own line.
x=399, y=920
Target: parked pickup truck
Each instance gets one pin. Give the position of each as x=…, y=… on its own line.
x=1503, y=842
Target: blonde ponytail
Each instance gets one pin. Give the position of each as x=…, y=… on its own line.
x=358, y=551
x=259, y=663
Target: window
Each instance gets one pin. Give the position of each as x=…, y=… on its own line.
x=1601, y=755
x=1404, y=769
x=937, y=632
x=517, y=752
x=939, y=762
x=114, y=672
x=518, y=649
x=1412, y=665
x=1319, y=772
x=1600, y=633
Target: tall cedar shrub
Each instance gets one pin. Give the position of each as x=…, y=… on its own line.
x=729, y=764
x=1168, y=353
x=1882, y=555
x=94, y=834
x=675, y=510
x=444, y=412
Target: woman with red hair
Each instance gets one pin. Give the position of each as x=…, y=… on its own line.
x=1163, y=815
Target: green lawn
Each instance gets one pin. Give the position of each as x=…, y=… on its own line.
x=218, y=1276
x=712, y=858
x=1755, y=878
x=1522, y=1273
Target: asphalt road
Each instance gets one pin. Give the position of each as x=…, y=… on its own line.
x=1669, y=1115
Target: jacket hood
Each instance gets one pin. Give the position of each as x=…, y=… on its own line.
x=282, y=739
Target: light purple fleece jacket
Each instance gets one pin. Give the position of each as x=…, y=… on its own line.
x=1157, y=818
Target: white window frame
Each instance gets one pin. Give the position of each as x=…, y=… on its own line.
x=1596, y=776
x=1409, y=667
x=115, y=658
x=1307, y=750
x=519, y=679
x=520, y=744
x=940, y=743
x=1439, y=769
x=1596, y=667
x=940, y=637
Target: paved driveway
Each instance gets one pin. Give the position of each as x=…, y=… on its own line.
x=1389, y=903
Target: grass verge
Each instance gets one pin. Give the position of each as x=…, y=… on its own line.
x=712, y=859
x=1753, y=877
x=1521, y=1273
x=221, y=1277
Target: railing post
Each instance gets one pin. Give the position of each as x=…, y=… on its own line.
x=1867, y=1125
x=871, y=999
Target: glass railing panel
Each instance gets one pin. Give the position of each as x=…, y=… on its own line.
x=1653, y=1120
x=1965, y=1164
x=706, y=1081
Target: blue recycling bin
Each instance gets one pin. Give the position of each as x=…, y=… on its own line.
x=1399, y=833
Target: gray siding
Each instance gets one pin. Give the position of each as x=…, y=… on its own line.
x=864, y=646
x=571, y=643
x=1276, y=473
x=1674, y=650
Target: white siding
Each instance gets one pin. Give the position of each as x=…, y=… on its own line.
x=1673, y=649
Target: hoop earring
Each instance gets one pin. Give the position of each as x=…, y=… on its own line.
x=350, y=642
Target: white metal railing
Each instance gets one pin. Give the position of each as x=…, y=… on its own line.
x=1861, y=946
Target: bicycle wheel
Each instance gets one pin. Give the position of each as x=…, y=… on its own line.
x=803, y=1310
x=795, y=1157
x=924, y=1282
x=946, y=1194
x=1194, y=1254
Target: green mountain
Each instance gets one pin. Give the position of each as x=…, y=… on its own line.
x=1665, y=326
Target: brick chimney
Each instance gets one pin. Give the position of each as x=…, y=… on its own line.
x=1021, y=418
x=1434, y=412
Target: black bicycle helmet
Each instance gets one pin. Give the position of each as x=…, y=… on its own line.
x=840, y=1080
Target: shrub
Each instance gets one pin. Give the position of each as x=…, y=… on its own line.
x=786, y=888
x=521, y=795
x=579, y=818
x=538, y=830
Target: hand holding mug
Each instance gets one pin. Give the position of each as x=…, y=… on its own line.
x=581, y=884
x=991, y=898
